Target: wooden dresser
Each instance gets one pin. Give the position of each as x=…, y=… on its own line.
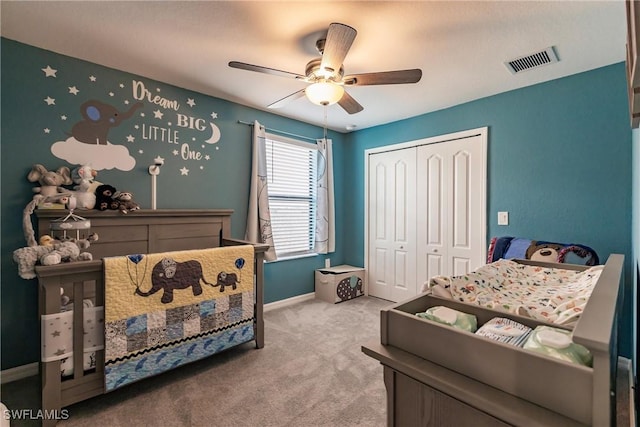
x=147, y=231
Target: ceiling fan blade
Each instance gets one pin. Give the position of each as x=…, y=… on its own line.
x=339, y=40
x=284, y=101
x=349, y=104
x=266, y=70
x=384, y=78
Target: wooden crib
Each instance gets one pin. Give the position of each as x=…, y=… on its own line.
x=142, y=231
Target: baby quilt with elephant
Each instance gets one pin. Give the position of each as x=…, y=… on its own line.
x=167, y=309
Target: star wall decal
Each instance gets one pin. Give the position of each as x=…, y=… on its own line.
x=47, y=130
x=49, y=72
x=158, y=160
x=158, y=114
x=184, y=171
x=73, y=90
x=130, y=138
x=93, y=78
x=214, y=115
x=50, y=101
x=191, y=102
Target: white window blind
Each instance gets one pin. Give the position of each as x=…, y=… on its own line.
x=291, y=174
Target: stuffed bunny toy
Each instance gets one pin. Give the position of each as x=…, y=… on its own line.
x=85, y=189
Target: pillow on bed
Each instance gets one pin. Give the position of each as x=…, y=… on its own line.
x=538, y=250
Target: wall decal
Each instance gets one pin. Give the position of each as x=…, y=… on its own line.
x=98, y=119
x=107, y=123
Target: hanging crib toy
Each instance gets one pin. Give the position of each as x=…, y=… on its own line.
x=71, y=226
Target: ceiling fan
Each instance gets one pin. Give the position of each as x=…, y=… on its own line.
x=326, y=74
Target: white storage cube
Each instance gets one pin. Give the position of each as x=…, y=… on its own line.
x=340, y=283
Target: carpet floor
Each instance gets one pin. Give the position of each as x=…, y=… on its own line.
x=311, y=372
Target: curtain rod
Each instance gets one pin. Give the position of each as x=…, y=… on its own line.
x=282, y=132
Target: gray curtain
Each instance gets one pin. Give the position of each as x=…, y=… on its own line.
x=258, y=217
x=325, y=241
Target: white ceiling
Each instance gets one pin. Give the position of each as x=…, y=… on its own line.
x=461, y=47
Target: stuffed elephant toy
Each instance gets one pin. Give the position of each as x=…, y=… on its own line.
x=51, y=252
x=169, y=275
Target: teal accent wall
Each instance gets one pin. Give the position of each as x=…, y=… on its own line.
x=559, y=161
x=30, y=127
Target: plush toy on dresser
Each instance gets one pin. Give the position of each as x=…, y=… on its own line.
x=125, y=202
x=51, y=182
x=49, y=191
x=51, y=252
x=84, y=177
x=104, y=198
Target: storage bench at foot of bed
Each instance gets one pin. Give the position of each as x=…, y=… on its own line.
x=421, y=393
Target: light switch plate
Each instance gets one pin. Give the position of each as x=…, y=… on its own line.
x=503, y=218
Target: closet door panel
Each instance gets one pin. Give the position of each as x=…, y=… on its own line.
x=466, y=191
x=431, y=225
x=404, y=219
x=392, y=217
x=460, y=191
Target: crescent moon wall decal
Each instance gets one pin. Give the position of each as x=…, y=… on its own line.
x=215, y=134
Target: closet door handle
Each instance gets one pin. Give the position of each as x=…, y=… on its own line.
x=435, y=250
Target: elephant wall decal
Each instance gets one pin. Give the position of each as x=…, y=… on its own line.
x=227, y=279
x=98, y=119
x=169, y=275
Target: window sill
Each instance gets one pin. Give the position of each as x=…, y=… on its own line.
x=291, y=257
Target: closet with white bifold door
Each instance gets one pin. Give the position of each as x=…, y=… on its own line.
x=425, y=211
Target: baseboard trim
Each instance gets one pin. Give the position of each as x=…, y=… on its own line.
x=289, y=301
x=18, y=373
x=24, y=371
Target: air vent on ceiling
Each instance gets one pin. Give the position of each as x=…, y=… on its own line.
x=535, y=60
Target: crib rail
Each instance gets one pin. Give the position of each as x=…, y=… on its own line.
x=82, y=280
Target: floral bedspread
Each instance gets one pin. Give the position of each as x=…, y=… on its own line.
x=548, y=294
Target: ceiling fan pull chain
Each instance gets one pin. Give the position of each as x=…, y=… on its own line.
x=325, y=122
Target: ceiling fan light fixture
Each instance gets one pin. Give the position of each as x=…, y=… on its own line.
x=324, y=93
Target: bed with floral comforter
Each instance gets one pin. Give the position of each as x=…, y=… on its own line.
x=552, y=295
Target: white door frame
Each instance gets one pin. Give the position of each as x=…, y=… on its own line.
x=482, y=132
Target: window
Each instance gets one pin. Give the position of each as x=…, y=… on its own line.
x=291, y=172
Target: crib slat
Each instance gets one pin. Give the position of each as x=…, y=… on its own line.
x=78, y=329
